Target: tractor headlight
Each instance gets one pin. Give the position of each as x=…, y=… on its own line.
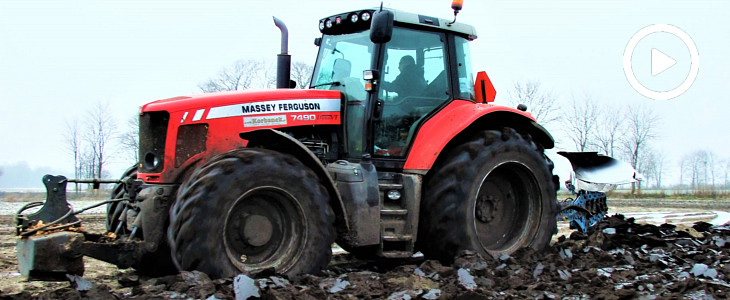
x=151, y=161
x=328, y=23
x=393, y=195
x=365, y=16
x=354, y=18
x=321, y=26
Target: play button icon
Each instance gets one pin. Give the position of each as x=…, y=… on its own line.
x=660, y=62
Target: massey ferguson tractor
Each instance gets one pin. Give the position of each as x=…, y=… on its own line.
x=395, y=148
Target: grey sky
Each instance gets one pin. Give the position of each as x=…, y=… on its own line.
x=57, y=58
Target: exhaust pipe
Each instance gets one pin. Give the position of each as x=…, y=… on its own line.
x=283, y=60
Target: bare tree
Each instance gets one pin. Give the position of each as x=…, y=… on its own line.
x=73, y=146
x=712, y=169
x=697, y=166
x=726, y=170
x=660, y=160
x=101, y=132
x=87, y=163
x=609, y=130
x=647, y=165
x=692, y=168
x=129, y=139
x=641, y=129
x=267, y=76
x=239, y=76
x=541, y=104
x=651, y=164
x=685, y=167
x=581, y=122
x=302, y=74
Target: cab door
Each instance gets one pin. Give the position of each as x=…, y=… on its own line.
x=415, y=82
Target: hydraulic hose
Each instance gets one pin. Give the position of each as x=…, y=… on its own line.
x=69, y=213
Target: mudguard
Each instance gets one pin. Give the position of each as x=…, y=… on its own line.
x=278, y=141
x=463, y=117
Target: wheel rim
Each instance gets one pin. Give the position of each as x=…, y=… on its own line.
x=506, y=208
x=264, y=228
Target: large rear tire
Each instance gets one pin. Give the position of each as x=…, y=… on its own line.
x=248, y=210
x=493, y=194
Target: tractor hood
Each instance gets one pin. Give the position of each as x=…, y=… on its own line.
x=224, y=104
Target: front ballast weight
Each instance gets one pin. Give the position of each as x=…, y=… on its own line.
x=593, y=174
x=50, y=242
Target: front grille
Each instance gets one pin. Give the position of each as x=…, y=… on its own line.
x=190, y=140
x=152, y=135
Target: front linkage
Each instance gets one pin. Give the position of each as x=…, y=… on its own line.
x=51, y=242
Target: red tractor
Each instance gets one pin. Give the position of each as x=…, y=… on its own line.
x=395, y=148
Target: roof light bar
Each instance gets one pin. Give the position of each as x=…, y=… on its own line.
x=349, y=22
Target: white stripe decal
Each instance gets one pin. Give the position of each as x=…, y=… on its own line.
x=185, y=115
x=274, y=106
x=198, y=114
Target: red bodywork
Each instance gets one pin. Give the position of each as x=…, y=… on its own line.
x=230, y=113
x=440, y=129
x=226, y=118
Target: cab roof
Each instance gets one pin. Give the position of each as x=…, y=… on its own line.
x=345, y=24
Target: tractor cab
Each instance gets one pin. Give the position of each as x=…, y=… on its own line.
x=395, y=69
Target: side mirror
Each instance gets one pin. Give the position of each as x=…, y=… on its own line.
x=483, y=88
x=381, y=28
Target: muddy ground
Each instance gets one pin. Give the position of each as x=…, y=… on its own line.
x=624, y=259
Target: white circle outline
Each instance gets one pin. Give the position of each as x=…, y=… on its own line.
x=693, y=70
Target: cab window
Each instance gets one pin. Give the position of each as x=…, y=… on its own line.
x=414, y=83
x=340, y=64
x=463, y=69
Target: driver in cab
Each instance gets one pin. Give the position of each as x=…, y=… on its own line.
x=410, y=81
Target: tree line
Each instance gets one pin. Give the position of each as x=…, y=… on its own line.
x=254, y=74
x=625, y=133
x=88, y=139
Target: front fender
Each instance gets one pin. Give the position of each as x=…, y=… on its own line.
x=278, y=141
x=461, y=118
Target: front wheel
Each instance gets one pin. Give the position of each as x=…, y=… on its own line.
x=248, y=210
x=115, y=210
x=493, y=194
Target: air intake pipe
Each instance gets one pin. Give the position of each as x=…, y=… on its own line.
x=283, y=60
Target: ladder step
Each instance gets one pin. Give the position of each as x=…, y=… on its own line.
x=390, y=186
x=397, y=254
x=394, y=212
x=397, y=238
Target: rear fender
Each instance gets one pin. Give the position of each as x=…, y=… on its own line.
x=278, y=141
x=458, y=121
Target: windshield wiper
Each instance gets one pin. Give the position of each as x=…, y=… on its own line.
x=335, y=83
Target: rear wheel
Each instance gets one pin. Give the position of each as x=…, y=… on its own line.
x=248, y=210
x=493, y=194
